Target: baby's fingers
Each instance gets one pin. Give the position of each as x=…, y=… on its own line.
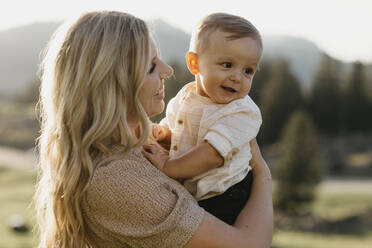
x=155, y=131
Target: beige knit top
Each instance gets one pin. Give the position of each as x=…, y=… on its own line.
x=130, y=203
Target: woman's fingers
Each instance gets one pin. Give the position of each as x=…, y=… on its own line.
x=256, y=153
x=155, y=131
x=154, y=155
x=147, y=148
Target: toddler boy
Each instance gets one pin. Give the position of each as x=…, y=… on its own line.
x=211, y=121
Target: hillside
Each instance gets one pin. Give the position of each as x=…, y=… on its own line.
x=20, y=50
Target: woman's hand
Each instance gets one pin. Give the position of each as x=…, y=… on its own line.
x=257, y=162
x=155, y=155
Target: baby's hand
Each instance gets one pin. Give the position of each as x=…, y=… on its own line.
x=155, y=155
x=159, y=132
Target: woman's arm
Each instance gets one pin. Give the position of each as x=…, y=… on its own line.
x=254, y=225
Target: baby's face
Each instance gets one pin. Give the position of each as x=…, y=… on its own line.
x=226, y=67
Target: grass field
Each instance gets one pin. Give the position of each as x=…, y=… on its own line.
x=17, y=186
x=338, y=207
x=16, y=190
x=287, y=239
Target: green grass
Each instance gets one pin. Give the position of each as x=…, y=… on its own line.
x=16, y=190
x=339, y=205
x=287, y=239
x=17, y=187
x=331, y=205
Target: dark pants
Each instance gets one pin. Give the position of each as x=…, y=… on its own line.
x=227, y=206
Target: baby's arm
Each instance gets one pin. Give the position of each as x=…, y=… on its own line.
x=200, y=159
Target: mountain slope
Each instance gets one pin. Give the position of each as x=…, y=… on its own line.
x=20, y=50
x=303, y=56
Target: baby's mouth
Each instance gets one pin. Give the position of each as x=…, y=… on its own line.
x=228, y=89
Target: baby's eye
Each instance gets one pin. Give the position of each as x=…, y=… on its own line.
x=249, y=71
x=226, y=64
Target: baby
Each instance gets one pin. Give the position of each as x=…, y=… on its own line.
x=211, y=121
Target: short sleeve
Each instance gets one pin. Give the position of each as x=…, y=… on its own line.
x=141, y=207
x=229, y=133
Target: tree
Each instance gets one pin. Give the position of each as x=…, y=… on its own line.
x=30, y=95
x=299, y=170
x=259, y=82
x=281, y=96
x=357, y=110
x=324, y=103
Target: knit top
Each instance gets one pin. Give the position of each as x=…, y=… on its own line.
x=130, y=203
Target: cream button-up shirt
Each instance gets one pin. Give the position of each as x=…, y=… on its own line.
x=229, y=128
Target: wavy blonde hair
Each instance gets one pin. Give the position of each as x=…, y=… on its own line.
x=91, y=75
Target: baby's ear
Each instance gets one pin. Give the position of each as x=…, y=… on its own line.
x=192, y=62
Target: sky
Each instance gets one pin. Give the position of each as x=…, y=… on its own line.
x=342, y=28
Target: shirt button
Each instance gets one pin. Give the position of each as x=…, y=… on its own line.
x=180, y=122
x=175, y=148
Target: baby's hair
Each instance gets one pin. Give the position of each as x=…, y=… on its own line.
x=237, y=26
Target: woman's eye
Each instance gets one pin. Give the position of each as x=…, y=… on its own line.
x=249, y=71
x=226, y=65
x=153, y=66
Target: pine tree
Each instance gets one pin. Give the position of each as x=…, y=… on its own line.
x=281, y=96
x=324, y=103
x=357, y=111
x=259, y=82
x=299, y=170
x=30, y=95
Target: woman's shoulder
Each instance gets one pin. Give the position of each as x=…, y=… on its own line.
x=118, y=178
x=118, y=170
x=130, y=198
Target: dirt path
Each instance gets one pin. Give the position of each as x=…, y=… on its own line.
x=348, y=185
x=27, y=160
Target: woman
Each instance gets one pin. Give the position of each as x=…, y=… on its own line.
x=101, y=81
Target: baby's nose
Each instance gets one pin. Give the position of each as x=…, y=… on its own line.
x=236, y=76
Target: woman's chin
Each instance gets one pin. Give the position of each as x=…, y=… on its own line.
x=156, y=109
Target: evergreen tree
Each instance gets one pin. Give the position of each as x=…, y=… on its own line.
x=357, y=111
x=259, y=82
x=281, y=96
x=30, y=95
x=324, y=103
x=299, y=170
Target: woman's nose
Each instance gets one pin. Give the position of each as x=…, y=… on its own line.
x=167, y=71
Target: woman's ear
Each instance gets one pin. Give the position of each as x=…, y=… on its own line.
x=192, y=62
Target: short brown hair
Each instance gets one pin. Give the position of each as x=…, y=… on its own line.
x=239, y=27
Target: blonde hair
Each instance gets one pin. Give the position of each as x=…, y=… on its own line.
x=237, y=26
x=91, y=75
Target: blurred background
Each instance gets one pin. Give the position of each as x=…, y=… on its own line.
x=314, y=89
